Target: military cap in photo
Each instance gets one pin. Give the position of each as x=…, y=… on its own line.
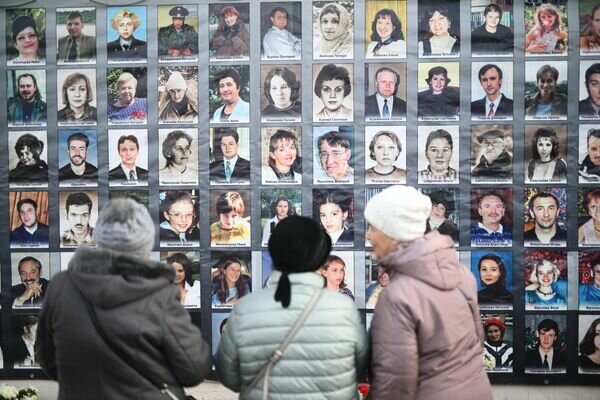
x=179, y=12
x=491, y=134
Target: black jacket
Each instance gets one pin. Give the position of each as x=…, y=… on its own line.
x=372, y=110
x=241, y=172
x=505, y=108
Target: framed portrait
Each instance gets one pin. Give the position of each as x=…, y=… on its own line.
x=333, y=209
x=439, y=91
x=589, y=154
x=230, y=156
x=218, y=326
x=229, y=94
x=127, y=96
x=376, y=279
x=545, y=217
x=589, y=88
x=444, y=216
x=546, y=90
x=27, y=159
x=491, y=217
x=589, y=281
x=77, y=157
x=178, y=33
x=332, y=88
x=76, y=97
x=230, y=218
x=126, y=34
x=333, y=148
x=281, y=160
x=226, y=268
x=179, y=218
x=492, y=91
x=589, y=327
x=178, y=95
x=491, y=154
x=187, y=275
x=498, y=354
x=25, y=36
x=385, y=155
x=546, y=274
x=76, y=35
x=31, y=274
x=281, y=96
x=276, y=205
x=438, y=154
x=385, y=97
x=24, y=328
x=178, y=156
x=78, y=216
x=547, y=29
x=385, y=29
x=26, y=94
x=338, y=273
x=28, y=219
x=543, y=333
x=492, y=28
x=333, y=29
x=128, y=157
x=545, y=153
x=588, y=219
x=493, y=271
x=439, y=29
x=281, y=31
x=589, y=32
x=229, y=31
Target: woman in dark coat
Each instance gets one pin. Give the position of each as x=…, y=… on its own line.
x=232, y=38
x=439, y=100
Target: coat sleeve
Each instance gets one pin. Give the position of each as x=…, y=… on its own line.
x=395, y=363
x=362, y=346
x=188, y=353
x=227, y=359
x=46, y=351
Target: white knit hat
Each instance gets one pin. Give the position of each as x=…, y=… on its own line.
x=176, y=81
x=400, y=212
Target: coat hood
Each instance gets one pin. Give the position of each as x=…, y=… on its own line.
x=431, y=259
x=108, y=279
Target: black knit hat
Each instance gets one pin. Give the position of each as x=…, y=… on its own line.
x=297, y=244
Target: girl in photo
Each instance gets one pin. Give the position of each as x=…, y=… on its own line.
x=179, y=225
x=334, y=274
x=335, y=215
x=230, y=284
x=492, y=276
x=541, y=291
x=547, y=35
x=546, y=165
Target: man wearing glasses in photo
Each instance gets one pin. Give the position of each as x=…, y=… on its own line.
x=334, y=153
x=495, y=162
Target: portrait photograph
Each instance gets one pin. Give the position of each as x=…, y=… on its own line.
x=231, y=277
x=544, y=217
x=589, y=154
x=178, y=95
x=589, y=87
x=76, y=35
x=333, y=209
x=31, y=274
x=369, y=193
x=588, y=217
x=498, y=332
x=276, y=205
x=491, y=217
x=333, y=29
x=444, y=216
x=376, y=279
x=547, y=29
x=27, y=159
x=545, y=152
x=128, y=157
x=25, y=36
x=281, y=160
x=546, y=90
x=438, y=29
x=187, y=275
x=27, y=96
x=338, y=273
x=492, y=91
x=78, y=215
x=126, y=33
x=24, y=328
x=77, y=157
x=28, y=219
x=281, y=31
x=492, y=28
x=281, y=98
x=76, y=97
x=589, y=281
x=333, y=154
x=589, y=329
x=229, y=94
x=127, y=93
x=229, y=31
x=493, y=271
x=385, y=95
x=385, y=29
x=438, y=158
x=332, y=93
x=229, y=156
x=545, y=280
x=546, y=335
x=439, y=91
x=178, y=156
x=179, y=218
x=230, y=218
x=589, y=27
x=385, y=155
x=491, y=154
x=218, y=325
x=178, y=33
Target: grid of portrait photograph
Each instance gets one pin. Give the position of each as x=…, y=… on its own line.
x=225, y=117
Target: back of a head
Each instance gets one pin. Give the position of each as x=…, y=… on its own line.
x=126, y=227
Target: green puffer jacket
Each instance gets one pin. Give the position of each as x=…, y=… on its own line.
x=324, y=359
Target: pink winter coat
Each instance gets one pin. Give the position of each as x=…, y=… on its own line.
x=426, y=331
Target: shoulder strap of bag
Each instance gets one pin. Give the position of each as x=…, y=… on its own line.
x=280, y=349
x=162, y=387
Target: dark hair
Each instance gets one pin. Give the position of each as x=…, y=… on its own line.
x=71, y=79
x=278, y=9
x=75, y=14
x=492, y=7
x=169, y=143
x=545, y=133
x=222, y=325
x=78, y=136
x=548, y=324
x=487, y=194
x=131, y=138
x=587, y=347
x=26, y=75
x=333, y=258
x=330, y=72
x=220, y=133
x=288, y=76
x=341, y=197
x=78, y=199
x=182, y=259
x=29, y=320
x=544, y=69
x=283, y=135
x=589, y=196
x=593, y=132
x=228, y=73
x=396, y=77
x=487, y=67
x=329, y=9
x=441, y=9
x=444, y=198
x=439, y=70
x=539, y=195
x=274, y=203
x=389, y=134
x=20, y=23
x=594, y=68
x=240, y=284
x=439, y=134
x=175, y=196
x=228, y=202
x=34, y=144
x=34, y=260
x=396, y=33
x=334, y=138
x=26, y=201
x=229, y=10
x=498, y=261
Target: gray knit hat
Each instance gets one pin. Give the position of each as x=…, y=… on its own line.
x=125, y=226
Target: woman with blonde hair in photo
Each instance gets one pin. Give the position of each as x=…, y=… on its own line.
x=547, y=35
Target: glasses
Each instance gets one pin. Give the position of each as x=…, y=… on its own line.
x=495, y=143
x=182, y=150
x=181, y=216
x=336, y=155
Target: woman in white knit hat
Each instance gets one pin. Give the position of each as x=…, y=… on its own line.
x=429, y=307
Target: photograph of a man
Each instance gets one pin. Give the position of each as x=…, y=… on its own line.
x=78, y=171
x=495, y=104
x=384, y=104
x=491, y=159
x=278, y=42
x=546, y=356
x=544, y=211
x=231, y=167
x=492, y=38
x=334, y=152
x=589, y=107
x=589, y=292
x=490, y=230
x=26, y=107
x=589, y=162
x=178, y=41
x=30, y=292
x=79, y=208
x=76, y=46
x=178, y=101
x=128, y=173
x=31, y=232
x=30, y=169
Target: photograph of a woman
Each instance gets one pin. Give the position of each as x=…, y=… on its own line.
x=231, y=283
x=385, y=150
x=443, y=216
x=439, y=29
x=333, y=31
x=281, y=90
x=438, y=100
x=125, y=47
x=190, y=288
x=280, y=208
x=589, y=345
x=28, y=36
x=231, y=227
x=127, y=108
x=178, y=95
x=77, y=95
x=225, y=95
x=333, y=209
x=547, y=34
x=332, y=100
x=547, y=99
x=545, y=286
x=179, y=219
x=231, y=39
x=387, y=37
x=589, y=38
x=438, y=155
x=180, y=166
x=546, y=164
x=334, y=276
x=284, y=164
x=497, y=350
x=588, y=233
x=495, y=275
